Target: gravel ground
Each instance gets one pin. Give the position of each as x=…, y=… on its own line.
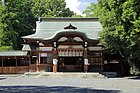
x=46, y=84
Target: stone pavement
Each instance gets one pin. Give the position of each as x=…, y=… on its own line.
x=33, y=84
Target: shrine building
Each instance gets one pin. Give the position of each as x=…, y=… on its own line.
x=59, y=45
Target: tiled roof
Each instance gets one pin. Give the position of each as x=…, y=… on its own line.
x=13, y=53
x=47, y=27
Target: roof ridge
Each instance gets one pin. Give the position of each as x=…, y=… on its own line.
x=66, y=19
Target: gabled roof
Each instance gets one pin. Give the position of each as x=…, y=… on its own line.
x=47, y=27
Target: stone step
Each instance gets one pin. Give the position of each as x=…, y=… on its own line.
x=65, y=74
x=9, y=75
x=109, y=74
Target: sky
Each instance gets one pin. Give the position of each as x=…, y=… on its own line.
x=78, y=6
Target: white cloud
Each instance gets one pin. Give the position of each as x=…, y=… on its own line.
x=73, y=5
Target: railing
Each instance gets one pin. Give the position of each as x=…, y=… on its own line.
x=95, y=61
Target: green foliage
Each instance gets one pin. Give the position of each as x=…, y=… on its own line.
x=51, y=8
x=121, y=31
x=2, y=48
x=76, y=16
x=121, y=27
x=18, y=18
x=92, y=10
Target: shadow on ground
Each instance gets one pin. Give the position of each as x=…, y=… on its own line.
x=54, y=89
x=135, y=78
x=2, y=78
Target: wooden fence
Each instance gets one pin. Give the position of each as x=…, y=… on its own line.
x=23, y=69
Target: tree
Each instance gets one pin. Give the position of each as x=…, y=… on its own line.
x=18, y=18
x=2, y=26
x=120, y=20
x=121, y=27
x=92, y=10
x=51, y=8
x=76, y=16
x=18, y=21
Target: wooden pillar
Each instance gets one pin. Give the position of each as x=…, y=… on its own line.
x=16, y=70
x=55, y=61
x=37, y=61
x=102, y=61
x=29, y=63
x=85, y=58
x=16, y=61
x=55, y=58
x=2, y=66
x=31, y=59
x=38, y=57
x=2, y=62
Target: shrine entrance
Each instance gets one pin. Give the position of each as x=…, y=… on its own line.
x=70, y=64
x=70, y=50
x=70, y=60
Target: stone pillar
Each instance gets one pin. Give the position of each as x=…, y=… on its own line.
x=55, y=58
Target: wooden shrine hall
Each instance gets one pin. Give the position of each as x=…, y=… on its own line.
x=58, y=45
